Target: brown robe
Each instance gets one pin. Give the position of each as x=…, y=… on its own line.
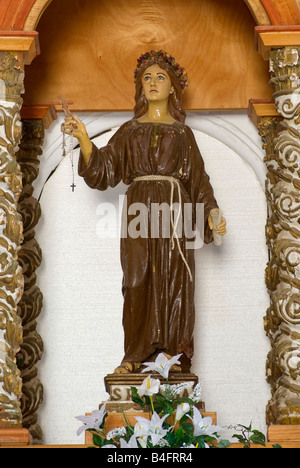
x=158, y=294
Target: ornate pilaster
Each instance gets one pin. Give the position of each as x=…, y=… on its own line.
x=282, y=323
x=11, y=279
x=30, y=256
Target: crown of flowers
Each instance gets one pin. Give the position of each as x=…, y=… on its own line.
x=162, y=56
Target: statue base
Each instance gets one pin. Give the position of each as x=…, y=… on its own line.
x=118, y=386
x=120, y=405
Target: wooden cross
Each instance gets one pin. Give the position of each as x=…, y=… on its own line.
x=65, y=106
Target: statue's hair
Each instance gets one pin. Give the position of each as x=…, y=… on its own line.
x=162, y=56
x=175, y=100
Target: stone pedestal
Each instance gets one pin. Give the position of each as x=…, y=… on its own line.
x=122, y=410
x=118, y=386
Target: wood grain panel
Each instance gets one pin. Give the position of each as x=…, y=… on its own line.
x=273, y=13
x=280, y=12
x=285, y=433
x=13, y=13
x=289, y=11
x=89, y=51
x=14, y=437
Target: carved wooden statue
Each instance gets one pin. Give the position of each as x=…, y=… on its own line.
x=156, y=155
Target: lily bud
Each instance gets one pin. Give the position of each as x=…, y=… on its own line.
x=182, y=410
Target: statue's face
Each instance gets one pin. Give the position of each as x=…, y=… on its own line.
x=157, y=84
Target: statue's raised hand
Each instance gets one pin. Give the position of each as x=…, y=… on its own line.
x=74, y=126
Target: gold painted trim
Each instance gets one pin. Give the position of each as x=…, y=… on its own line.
x=35, y=14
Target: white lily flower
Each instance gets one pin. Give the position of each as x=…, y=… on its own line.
x=131, y=444
x=143, y=440
x=109, y=446
x=194, y=446
x=181, y=411
x=149, y=387
x=152, y=428
x=162, y=364
x=93, y=421
x=203, y=426
x=141, y=429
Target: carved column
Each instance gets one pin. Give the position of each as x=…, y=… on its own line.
x=30, y=256
x=11, y=279
x=282, y=322
x=35, y=119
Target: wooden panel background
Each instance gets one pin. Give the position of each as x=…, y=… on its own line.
x=89, y=51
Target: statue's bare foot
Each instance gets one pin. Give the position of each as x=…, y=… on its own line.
x=122, y=369
x=127, y=367
x=176, y=369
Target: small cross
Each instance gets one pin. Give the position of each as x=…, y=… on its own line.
x=73, y=186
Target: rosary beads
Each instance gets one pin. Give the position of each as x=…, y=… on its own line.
x=71, y=152
x=66, y=110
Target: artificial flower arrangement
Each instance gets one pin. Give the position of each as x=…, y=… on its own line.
x=175, y=421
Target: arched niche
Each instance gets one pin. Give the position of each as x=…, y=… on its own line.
x=35, y=14
x=89, y=51
x=42, y=7
x=274, y=12
x=26, y=14
x=228, y=58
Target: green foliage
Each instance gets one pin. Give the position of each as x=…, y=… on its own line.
x=177, y=431
x=175, y=422
x=249, y=436
x=136, y=398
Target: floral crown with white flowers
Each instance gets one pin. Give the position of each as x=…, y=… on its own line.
x=162, y=56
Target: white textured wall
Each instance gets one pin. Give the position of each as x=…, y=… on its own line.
x=81, y=276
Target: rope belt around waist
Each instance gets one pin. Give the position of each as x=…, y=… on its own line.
x=174, y=182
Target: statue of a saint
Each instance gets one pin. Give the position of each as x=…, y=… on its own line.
x=156, y=155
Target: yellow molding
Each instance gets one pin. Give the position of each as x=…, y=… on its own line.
x=268, y=40
x=260, y=109
x=28, y=46
x=44, y=112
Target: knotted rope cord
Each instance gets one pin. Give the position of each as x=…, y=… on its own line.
x=173, y=181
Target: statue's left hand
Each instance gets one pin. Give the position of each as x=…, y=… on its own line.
x=220, y=229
